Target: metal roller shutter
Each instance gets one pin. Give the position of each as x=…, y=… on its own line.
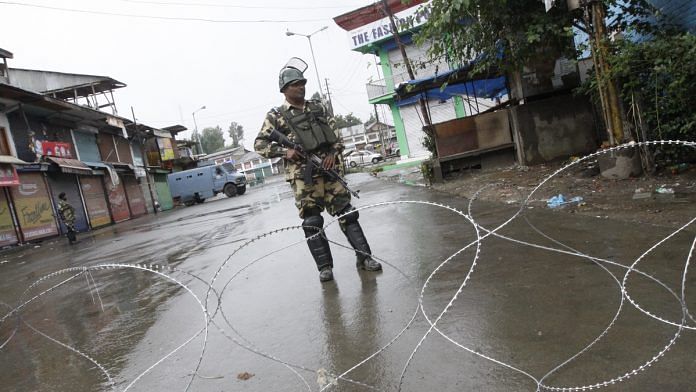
x=136, y=200
x=61, y=182
x=33, y=207
x=163, y=194
x=8, y=234
x=117, y=200
x=95, y=201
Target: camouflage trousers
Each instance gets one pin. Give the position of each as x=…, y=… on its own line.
x=322, y=193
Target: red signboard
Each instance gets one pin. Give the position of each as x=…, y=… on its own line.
x=55, y=149
x=8, y=175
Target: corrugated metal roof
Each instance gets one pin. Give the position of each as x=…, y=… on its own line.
x=71, y=165
x=12, y=160
x=62, y=85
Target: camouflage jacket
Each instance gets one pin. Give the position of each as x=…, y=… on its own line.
x=67, y=212
x=274, y=120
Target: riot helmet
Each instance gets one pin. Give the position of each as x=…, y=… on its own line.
x=291, y=72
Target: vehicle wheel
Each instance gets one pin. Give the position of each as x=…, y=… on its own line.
x=375, y=160
x=241, y=189
x=353, y=164
x=230, y=190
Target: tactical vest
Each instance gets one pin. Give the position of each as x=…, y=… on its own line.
x=311, y=128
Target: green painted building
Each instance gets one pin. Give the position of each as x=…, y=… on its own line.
x=369, y=32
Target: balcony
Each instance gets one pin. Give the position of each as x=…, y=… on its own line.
x=379, y=91
x=381, y=88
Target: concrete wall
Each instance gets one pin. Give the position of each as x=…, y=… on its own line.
x=554, y=128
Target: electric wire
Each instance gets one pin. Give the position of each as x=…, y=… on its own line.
x=156, y=17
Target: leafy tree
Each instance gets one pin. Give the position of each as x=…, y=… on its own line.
x=236, y=132
x=506, y=34
x=347, y=120
x=658, y=75
x=212, y=140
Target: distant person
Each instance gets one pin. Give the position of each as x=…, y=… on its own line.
x=67, y=215
x=309, y=124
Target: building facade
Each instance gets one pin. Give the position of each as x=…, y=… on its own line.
x=55, y=139
x=369, y=32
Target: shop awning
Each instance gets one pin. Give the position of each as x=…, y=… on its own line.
x=109, y=169
x=71, y=166
x=122, y=166
x=484, y=88
x=12, y=160
x=466, y=80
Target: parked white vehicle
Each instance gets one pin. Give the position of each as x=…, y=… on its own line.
x=356, y=157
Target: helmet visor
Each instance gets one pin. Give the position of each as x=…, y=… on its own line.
x=297, y=63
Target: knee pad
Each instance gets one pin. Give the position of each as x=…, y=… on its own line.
x=312, y=224
x=351, y=217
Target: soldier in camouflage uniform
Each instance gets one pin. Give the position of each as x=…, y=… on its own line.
x=309, y=124
x=67, y=215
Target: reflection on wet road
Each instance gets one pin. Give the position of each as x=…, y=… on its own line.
x=224, y=296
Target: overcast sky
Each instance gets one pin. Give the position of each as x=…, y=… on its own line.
x=173, y=67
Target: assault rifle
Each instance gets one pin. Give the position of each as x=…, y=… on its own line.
x=312, y=159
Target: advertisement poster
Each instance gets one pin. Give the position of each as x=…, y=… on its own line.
x=8, y=236
x=166, y=150
x=33, y=206
x=95, y=200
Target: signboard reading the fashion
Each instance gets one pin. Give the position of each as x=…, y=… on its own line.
x=381, y=29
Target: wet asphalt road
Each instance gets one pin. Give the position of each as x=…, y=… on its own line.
x=522, y=313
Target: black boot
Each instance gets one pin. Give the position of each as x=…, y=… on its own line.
x=319, y=246
x=354, y=233
x=72, y=239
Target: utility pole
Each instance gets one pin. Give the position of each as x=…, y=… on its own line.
x=147, y=175
x=328, y=95
x=409, y=69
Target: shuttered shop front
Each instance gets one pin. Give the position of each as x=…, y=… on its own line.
x=8, y=235
x=117, y=200
x=95, y=201
x=33, y=207
x=61, y=182
x=136, y=200
x=163, y=194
